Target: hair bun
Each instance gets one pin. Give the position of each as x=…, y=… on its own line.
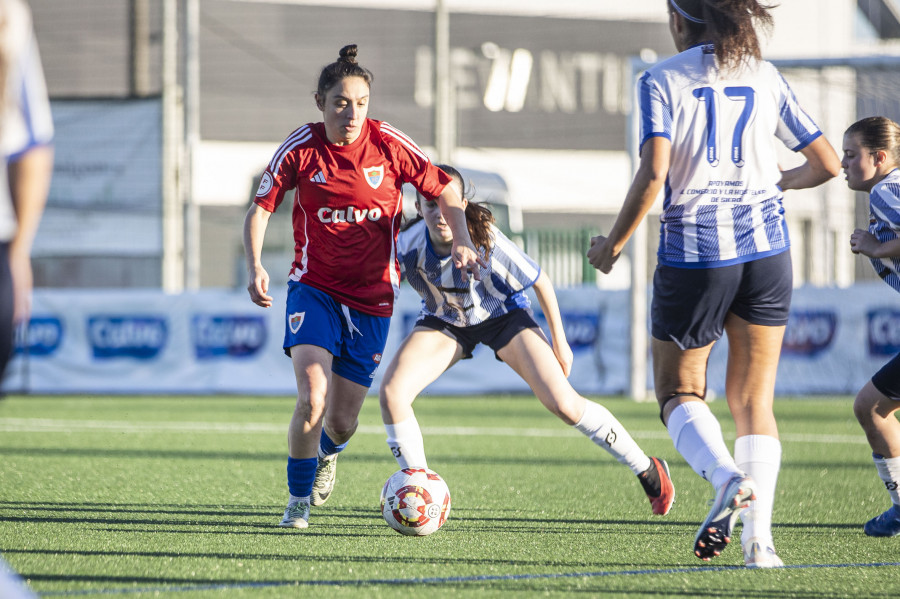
x=348, y=54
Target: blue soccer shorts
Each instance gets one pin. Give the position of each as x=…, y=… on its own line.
x=355, y=339
x=887, y=379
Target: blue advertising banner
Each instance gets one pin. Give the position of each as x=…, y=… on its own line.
x=218, y=342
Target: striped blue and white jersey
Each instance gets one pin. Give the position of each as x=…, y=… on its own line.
x=25, y=120
x=444, y=295
x=884, y=224
x=722, y=202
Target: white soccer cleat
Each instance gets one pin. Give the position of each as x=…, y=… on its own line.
x=715, y=532
x=759, y=555
x=296, y=515
x=323, y=485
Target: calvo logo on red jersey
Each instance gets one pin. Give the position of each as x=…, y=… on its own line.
x=374, y=175
x=348, y=215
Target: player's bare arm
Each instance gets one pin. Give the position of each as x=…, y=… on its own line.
x=546, y=297
x=648, y=181
x=822, y=163
x=29, y=183
x=465, y=256
x=255, y=224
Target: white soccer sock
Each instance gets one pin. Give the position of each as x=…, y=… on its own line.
x=760, y=457
x=601, y=427
x=697, y=436
x=889, y=471
x=406, y=443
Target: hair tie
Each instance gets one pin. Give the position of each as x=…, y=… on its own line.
x=684, y=14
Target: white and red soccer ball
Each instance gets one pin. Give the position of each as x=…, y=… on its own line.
x=415, y=501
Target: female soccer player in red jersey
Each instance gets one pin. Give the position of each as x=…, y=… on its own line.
x=348, y=172
x=710, y=119
x=871, y=161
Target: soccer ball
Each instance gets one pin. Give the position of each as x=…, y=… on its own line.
x=415, y=501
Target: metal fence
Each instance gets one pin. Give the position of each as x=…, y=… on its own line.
x=561, y=254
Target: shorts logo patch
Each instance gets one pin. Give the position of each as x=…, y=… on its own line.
x=374, y=175
x=376, y=358
x=295, y=321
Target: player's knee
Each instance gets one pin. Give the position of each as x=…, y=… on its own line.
x=388, y=394
x=864, y=408
x=394, y=395
x=341, y=429
x=384, y=398
x=310, y=407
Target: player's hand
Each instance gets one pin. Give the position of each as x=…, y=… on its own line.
x=601, y=254
x=259, y=287
x=467, y=260
x=863, y=242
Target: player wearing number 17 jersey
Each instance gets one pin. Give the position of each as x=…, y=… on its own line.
x=722, y=202
x=710, y=120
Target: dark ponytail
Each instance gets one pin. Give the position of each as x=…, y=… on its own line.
x=478, y=216
x=730, y=25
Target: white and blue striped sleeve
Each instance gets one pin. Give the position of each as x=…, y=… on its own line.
x=796, y=129
x=511, y=264
x=884, y=202
x=656, y=113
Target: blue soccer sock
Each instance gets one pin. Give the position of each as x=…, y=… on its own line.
x=300, y=475
x=328, y=447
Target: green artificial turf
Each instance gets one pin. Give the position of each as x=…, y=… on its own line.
x=180, y=497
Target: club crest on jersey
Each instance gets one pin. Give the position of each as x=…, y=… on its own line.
x=295, y=321
x=374, y=175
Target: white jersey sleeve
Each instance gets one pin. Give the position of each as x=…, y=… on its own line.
x=884, y=224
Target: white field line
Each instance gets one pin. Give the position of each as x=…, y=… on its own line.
x=51, y=425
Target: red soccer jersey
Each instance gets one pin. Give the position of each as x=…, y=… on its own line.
x=348, y=208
